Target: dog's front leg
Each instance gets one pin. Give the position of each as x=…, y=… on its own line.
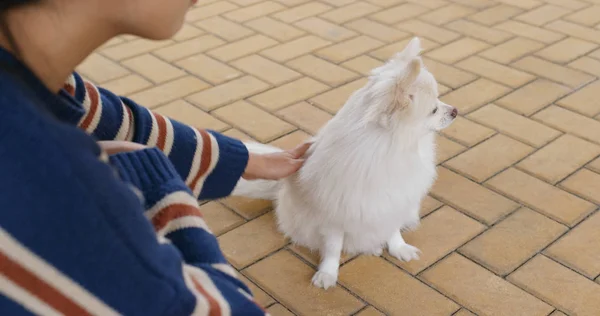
x=400, y=249
x=331, y=253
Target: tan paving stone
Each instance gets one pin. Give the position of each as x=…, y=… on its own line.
x=265, y=69
x=289, y=93
x=569, y=4
x=428, y=205
x=295, y=48
x=457, y=50
x=467, y=132
x=188, y=114
x=334, y=99
x=127, y=85
x=153, y=68
x=477, y=4
x=475, y=95
x=489, y=157
x=542, y=15
x=480, y=32
x=321, y=70
x=448, y=75
x=595, y=165
x=242, y=48
x=279, y=310
x=529, y=31
x=447, y=148
x=101, y=69
x=262, y=298
x=275, y=29
x=209, y=69
x=228, y=92
x=247, y=208
x=557, y=73
x=290, y=141
x=470, y=197
x=584, y=183
x=350, y=12
x=169, y=91
x=589, y=16
x=585, y=101
x=381, y=284
x=557, y=160
x=254, y=11
x=496, y=72
x=305, y=116
x=223, y=28
x=511, y=50
x=514, y=240
x=524, y=4
x=514, y=125
x=287, y=279
x=566, y=50
x=187, y=31
x=533, y=97
x=362, y=64
x=433, y=32
x=541, y=196
x=251, y=241
x=439, y=234
x=208, y=10
x=570, y=122
x=370, y=311
x=587, y=64
x=399, y=13
x=495, y=14
x=447, y=14
x=377, y=30
x=189, y=47
x=133, y=48
x=386, y=52
x=350, y=48
x=558, y=285
x=219, y=218
x=464, y=312
x=480, y=290
x=301, y=12
x=313, y=257
x=325, y=29
x=575, y=30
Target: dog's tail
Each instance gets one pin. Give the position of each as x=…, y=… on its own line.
x=258, y=189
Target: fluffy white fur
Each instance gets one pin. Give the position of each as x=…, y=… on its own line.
x=367, y=171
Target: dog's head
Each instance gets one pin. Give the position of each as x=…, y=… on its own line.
x=403, y=94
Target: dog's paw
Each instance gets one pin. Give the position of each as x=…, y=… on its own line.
x=405, y=252
x=324, y=280
x=377, y=252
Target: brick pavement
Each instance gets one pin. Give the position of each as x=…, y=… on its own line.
x=512, y=224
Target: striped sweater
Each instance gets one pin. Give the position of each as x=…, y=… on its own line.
x=82, y=233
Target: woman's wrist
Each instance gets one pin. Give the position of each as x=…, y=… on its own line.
x=253, y=167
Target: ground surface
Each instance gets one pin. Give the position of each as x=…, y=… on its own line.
x=512, y=226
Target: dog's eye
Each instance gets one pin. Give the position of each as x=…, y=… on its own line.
x=434, y=111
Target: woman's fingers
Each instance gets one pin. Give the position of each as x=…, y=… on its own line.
x=300, y=150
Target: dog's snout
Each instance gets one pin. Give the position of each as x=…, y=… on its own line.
x=454, y=113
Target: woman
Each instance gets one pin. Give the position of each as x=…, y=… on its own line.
x=112, y=228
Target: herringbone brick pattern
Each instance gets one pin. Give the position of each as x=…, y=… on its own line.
x=512, y=226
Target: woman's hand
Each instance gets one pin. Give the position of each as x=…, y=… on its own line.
x=275, y=166
x=112, y=147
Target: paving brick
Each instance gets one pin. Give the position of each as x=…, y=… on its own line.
x=447, y=14
x=589, y=16
x=377, y=30
x=257, y=123
x=312, y=257
x=457, y=50
x=477, y=4
x=464, y=312
x=584, y=101
x=447, y=148
x=287, y=279
x=350, y=12
x=228, y=92
x=254, y=11
x=569, y=4
x=480, y=32
x=595, y=165
x=570, y=122
x=586, y=64
x=223, y=28
x=339, y=3
x=511, y=50
x=495, y=14
x=247, y=208
x=557, y=73
x=209, y=69
x=362, y=64
x=399, y=13
x=530, y=31
x=386, y=52
x=219, y=218
x=153, y=68
x=514, y=240
x=435, y=33
x=533, y=97
x=322, y=70
x=575, y=30
x=262, y=298
x=488, y=158
x=290, y=141
x=566, y=50
x=265, y=69
x=292, y=3
x=133, y=48
x=169, y=91
x=542, y=15
x=189, y=47
x=288, y=94
x=187, y=32
x=275, y=29
x=242, y=48
x=448, y=75
x=475, y=95
x=305, y=116
x=101, y=69
x=467, y=132
x=480, y=290
x=279, y=310
x=334, y=99
x=557, y=160
x=470, y=197
x=428, y=205
x=325, y=29
x=302, y=12
x=350, y=48
x=295, y=48
x=514, y=125
x=524, y=4
x=578, y=249
x=494, y=71
x=541, y=196
x=370, y=311
x=431, y=4
x=209, y=10
x=127, y=85
x=439, y=234
x=188, y=114
x=380, y=284
x=251, y=241
x=386, y=3
x=550, y=281
x=584, y=183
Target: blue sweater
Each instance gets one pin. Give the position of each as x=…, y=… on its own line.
x=86, y=234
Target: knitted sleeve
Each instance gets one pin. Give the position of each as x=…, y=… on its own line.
x=210, y=163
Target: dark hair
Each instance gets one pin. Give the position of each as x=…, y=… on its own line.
x=9, y=4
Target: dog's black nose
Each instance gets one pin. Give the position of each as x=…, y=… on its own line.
x=454, y=113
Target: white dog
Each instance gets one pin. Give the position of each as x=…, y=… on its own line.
x=367, y=171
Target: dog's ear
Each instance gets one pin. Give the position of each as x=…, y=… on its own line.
x=412, y=50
